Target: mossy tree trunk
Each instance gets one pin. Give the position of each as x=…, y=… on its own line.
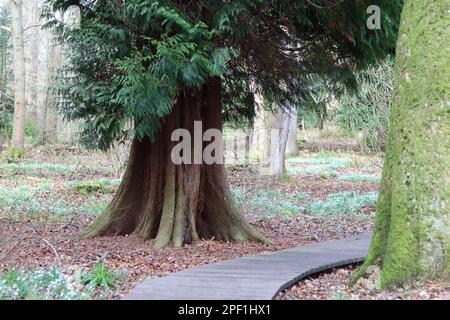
x=176, y=204
x=412, y=228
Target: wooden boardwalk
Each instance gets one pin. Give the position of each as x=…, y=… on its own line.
x=258, y=277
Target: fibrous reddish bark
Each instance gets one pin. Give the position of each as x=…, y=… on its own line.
x=176, y=204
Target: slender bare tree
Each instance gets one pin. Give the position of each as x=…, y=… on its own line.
x=18, y=136
x=32, y=85
x=49, y=123
x=291, y=148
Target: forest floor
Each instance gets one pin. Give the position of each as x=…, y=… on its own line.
x=48, y=200
x=334, y=285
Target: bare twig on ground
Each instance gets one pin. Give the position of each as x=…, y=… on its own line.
x=16, y=245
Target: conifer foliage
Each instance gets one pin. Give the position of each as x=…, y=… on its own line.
x=129, y=59
x=139, y=69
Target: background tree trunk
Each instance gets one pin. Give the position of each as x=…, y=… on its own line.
x=171, y=203
x=18, y=136
x=5, y=79
x=270, y=138
x=291, y=148
x=32, y=86
x=259, y=135
x=279, y=131
x=5, y=132
x=49, y=123
x=412, y=229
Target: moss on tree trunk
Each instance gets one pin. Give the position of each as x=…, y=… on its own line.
x=412, y=228
x=176, y=204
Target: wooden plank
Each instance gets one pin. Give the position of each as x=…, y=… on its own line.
x=258, y=277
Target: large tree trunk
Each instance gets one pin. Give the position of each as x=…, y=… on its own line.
x=19, y=76
x=176, y=204
x=412, y=229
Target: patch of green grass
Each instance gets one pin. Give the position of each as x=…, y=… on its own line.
x=101, y=277
x=41, y=284
x=13, y=155
x=239, y=196
x=321, y=160
x=102, y=182
x=268, y=202
x=313, y=170
x=317, y=165
x=275, y=203
x=301, y=196
x=98, y=186
x=342, y=203
x=339, y=296
x=327, y=175
x=110, y=182
x=86, y=188
x=95, y=208
x=22, y=197
x=41, y=167
x=40, y=200
x=357, y=177
x=89, y=187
